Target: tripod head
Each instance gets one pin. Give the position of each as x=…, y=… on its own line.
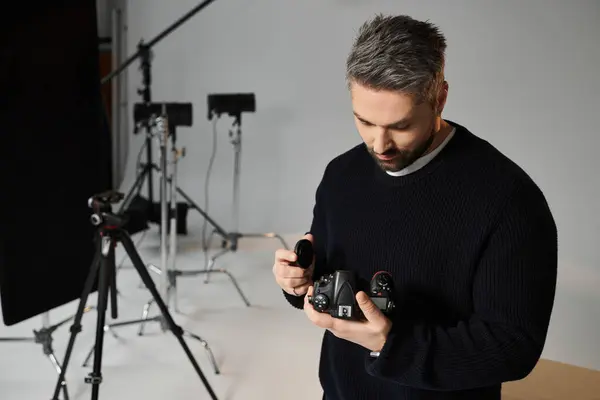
x=102, y=216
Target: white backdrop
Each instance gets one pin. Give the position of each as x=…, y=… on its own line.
x=523, y=75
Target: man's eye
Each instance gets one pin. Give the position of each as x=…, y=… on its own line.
x=365, y=123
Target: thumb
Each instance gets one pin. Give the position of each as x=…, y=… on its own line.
x=369, y=309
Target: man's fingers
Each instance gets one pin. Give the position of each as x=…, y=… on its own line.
x=301, y=289
x=322, y=320
x=289, y=276
x=283, y=255
x=293, y=282
x=369, y=309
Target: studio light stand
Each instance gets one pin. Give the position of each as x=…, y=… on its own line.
x=43, y=336
x=177, y=115
x=234, y=105
x=144, y=53
x=169, y=273
x=180, y=115
x=110, y=232
x=160, y=129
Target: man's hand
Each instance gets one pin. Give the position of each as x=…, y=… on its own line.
x=370, y=334
x=292, y=279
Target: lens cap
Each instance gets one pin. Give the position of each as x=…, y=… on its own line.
x=304, y=251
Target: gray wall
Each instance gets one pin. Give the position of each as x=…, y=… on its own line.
x=523, y=75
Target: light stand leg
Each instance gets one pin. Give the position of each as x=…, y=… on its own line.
x=204, y=343
x=43, y=336
x=208, y=266
x=222, y=271
x=164, y=140
x=173, y=222
x=236, y=141
x=145, y=312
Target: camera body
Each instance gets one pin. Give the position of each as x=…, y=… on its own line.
x=335, y=294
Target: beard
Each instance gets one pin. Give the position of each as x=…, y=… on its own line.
x=402, y=158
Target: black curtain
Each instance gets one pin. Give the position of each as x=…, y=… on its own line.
x=55, y=153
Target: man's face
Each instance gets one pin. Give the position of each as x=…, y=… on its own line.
x=396, y=130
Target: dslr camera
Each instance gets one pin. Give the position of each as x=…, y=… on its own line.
x=335, y=293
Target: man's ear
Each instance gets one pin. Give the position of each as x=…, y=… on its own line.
x=442, y=97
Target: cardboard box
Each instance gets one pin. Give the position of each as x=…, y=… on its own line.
x=551, y=380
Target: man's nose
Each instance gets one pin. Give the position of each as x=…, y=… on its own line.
x=381, y=140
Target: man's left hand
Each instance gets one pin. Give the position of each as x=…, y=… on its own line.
x=370, y=334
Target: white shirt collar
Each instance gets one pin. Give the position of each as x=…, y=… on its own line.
x=421, y=162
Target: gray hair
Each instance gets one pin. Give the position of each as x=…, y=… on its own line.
x=398, y=53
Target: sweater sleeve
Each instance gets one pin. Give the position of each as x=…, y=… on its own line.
x=513, y=293
x=318, y=229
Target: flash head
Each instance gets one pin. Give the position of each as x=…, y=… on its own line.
x=233, y=104
x=178, y=114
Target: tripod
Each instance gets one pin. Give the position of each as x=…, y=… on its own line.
x=44, y=337
x=109, y=233
x=231, y=244
x=163, y=133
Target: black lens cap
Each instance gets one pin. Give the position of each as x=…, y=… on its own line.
x=304, y=251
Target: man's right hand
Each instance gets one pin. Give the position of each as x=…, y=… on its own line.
x=292, y=279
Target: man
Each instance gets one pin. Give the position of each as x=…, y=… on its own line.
x=467, y=236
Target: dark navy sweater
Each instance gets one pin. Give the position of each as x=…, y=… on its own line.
x=472, y=246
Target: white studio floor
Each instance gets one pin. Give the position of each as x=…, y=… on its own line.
x=266, y=351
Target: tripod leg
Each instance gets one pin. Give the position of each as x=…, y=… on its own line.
x=58, y=368
x=177, y=331
x=76, y=327
x=112, y=273
x=88, y=357
x=108, y=251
